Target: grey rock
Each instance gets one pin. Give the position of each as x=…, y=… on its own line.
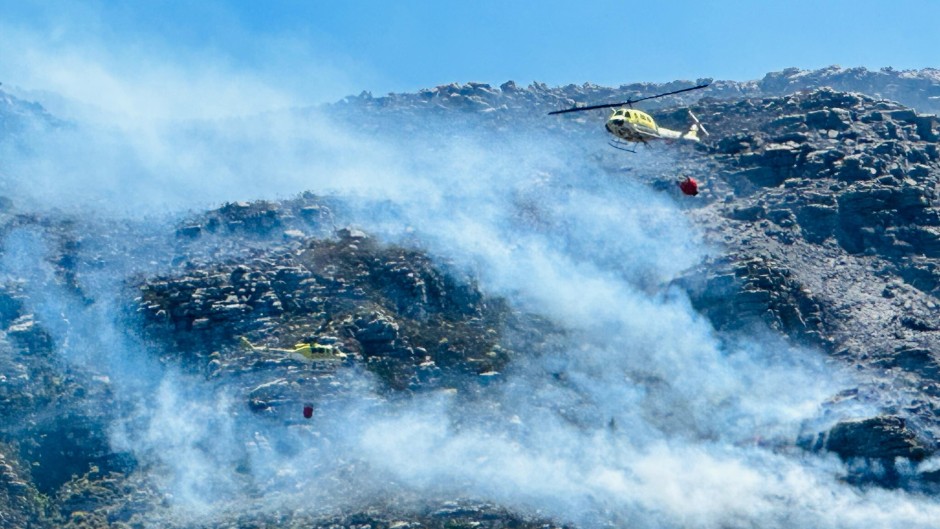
x=882, y=437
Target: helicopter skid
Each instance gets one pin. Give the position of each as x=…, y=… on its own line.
x=626, y=146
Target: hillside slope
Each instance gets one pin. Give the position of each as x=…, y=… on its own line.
x=144, y=364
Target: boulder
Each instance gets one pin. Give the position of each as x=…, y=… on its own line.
x=834, y=119
x=884, y=437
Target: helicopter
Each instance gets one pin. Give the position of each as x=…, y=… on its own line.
x=632, y=127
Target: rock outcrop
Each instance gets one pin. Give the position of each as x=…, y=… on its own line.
x=390, y=308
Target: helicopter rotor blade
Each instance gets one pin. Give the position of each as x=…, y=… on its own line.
x=671, y=93
x=627, y=102
x=592, y=107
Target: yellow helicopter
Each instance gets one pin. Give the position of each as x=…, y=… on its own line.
x=632, y=127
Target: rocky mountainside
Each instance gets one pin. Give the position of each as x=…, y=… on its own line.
x=829, y=203
x=819, y=194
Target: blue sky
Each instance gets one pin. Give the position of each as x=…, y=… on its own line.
x=316, y=51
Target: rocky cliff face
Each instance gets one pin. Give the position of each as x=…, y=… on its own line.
x=820, y=194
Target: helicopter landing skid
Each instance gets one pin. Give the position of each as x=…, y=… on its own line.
x=626, y=146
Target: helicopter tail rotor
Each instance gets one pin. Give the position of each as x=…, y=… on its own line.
x=698, y=124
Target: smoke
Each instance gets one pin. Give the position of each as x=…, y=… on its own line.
x=639, y=415
x=103, y=62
